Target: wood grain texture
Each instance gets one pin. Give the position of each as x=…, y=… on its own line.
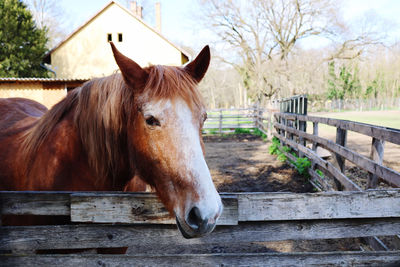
x=377, y=152
x=135, y=208
x=34, y=203
x=326, y=205
x=253, y=259
x=157, y=237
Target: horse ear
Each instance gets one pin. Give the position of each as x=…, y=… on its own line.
x=133, y=74
x=198, y=67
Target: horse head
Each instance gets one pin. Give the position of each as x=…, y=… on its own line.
x=165, y=142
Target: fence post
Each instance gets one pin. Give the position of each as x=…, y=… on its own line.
x=260, y=121
x=255, y=114
x=302, y=125
x=341, y=139
x=269, y=124
x=377, y=151
x=315, y=132
x=220, y=121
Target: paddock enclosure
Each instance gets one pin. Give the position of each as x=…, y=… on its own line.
x=250, y=219
x=139, y=220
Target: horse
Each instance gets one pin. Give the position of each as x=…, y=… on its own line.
x=139, y=124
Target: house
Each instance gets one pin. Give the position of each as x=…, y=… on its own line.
x=43, y=90
x=86, y=53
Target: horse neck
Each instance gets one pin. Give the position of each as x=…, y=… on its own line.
x=62, y=162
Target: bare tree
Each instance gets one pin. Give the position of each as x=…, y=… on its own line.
x=50, y=15
x=262, y=36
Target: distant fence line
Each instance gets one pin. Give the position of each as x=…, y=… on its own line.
x=227, y=120
x=354, y=104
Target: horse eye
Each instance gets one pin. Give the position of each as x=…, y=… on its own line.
x=152, y=121
x=204, y=117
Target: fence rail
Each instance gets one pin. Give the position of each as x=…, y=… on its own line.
x=227, y=120
x=296, y=139
x=248, y=218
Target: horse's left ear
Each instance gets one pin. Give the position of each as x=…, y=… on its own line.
x=133, y=74
x=198, y=67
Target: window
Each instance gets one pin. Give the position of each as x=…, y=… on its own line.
x=109, y=37
x=119, y=37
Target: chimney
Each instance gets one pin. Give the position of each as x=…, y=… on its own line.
x=158, y=17
x=135, y=9
x=139, y=12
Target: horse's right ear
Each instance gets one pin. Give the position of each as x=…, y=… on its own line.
x=133, y=74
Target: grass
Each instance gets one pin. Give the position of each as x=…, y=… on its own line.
x=252, y=131
x=386, y=118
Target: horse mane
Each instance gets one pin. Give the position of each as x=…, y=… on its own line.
x=102, y=108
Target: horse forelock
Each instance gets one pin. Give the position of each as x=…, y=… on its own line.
x=168, y=82
x=102, y=108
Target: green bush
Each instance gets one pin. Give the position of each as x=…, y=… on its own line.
x=242, y=131
x=274, y=147
x=320, y=173
x=259, y=133
x=302, y=165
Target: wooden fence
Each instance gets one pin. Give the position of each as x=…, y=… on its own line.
x=139, y=221
x=291, y=133
x=227, y=120
x=297, y=139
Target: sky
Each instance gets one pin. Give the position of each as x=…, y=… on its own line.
x=176, y=17
x=179, y=17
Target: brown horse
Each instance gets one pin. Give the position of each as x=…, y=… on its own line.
x=144, y=122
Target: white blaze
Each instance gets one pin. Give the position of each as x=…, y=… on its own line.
x=188, y=144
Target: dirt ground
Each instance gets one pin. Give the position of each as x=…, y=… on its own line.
x=241, y=163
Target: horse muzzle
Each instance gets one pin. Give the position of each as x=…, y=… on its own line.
x=196, y=225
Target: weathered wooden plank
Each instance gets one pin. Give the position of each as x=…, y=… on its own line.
x=383, y=172
x=377, y=150
x=159, y=236
x=340, y=162
x=142, y=208
x=344, y=180
x=315, y=132
x=321, y=182
x=251, y=259
x=341, y=139
x=327, y=205
x=381, y=133
x=34, y=203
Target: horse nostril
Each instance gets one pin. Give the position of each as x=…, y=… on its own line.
x=194, y=219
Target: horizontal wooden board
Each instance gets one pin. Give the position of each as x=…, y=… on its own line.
x=251, y=259
x=251, y=206
x=34, y=203
x=343, y=179
x=134, y=208
x=326, y=205
x=361, y=161
x=157, y=237
x=381, y=133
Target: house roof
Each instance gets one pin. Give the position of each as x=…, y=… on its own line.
x=47, y=56
x=40, y=80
